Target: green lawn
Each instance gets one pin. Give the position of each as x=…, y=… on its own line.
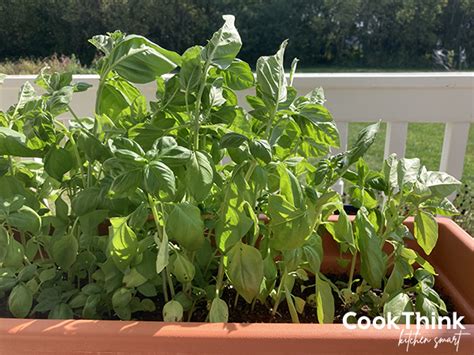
x=424, y=141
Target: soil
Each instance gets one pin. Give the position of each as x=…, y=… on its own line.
x=242, y=312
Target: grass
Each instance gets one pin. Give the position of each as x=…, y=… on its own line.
x=33, y=66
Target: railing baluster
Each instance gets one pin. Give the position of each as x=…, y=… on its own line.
x=395, y=140
x=343, y=128
x=454, y=148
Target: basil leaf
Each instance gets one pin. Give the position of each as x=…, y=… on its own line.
x=238, y=76
x=324, y=301
x=123, y=243
x=139, y=60
x=396, y=305
x=224, y=45
x=271, y=80
x=64, y=251
x=58, y=162
x=20, y=301
x=219, y=312
x=369, y=245
x=185, y=225
x=426, y=231
x=25, y=219
x=244, y=268
x=199, y=175
x=191, y=69
x=159, y=180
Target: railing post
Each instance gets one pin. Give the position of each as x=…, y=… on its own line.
x=454, y=148
x=395, y=140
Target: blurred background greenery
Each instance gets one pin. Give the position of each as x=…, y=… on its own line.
x=327, y=34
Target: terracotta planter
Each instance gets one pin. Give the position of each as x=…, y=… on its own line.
x=453, y=258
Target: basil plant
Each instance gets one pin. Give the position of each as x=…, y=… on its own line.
x=166, y=205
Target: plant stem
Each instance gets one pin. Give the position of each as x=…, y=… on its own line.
x=351, y=274
x=76, y=151
x=278, y=295
x=220, y=276
x=165, y=291
x=236, y=299
x=253, y=304
x=170, y=282
x=164, y=272
x=198, y=107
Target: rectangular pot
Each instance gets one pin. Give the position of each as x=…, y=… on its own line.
x=453, y=259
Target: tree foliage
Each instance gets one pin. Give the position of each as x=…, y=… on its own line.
x=351, y=33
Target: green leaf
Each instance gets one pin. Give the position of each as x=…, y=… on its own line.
x=408, y=170
x=163, y=253
x=134, y=279
x=20, y=301
x=58, y=162
x=169, y=152
x=93, y=148
x=127, y=182
x=121, y=297
x=395, y=282
x=14, y=254
x=271, y=80
x=173, y=311
x=4, y=242
x=324, y=301
x=139, y=60
x=219, y=312
x=224, y=45
x=232, y=140
x=364, y=140
x=25, y=219
x=64, y=251
x=396, y=305
x=116, y=96
x=289, y=226
x=123, y=243
x=425, y=306
x=341, y=231
x=191, y=69
x=61, y=311
x=244, y=267
x=182, y=268
x=289, y=186
x=159, y=180
x=199, y=175
x=426, y=231
x=86, y=201
x=370, y=248
x=261, y=149
x=14, y=143
x=238, y=76
x=47, y=274
x=27, y=93
x=313, y=253
x=440, y=183
x=185, y=225
x=232, y=226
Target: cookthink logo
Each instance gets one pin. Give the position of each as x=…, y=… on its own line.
x=410, y=324
x=393, y=321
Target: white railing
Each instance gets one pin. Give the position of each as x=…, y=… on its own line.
x=395, y=98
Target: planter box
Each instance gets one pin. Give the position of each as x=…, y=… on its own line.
x=453, y=259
